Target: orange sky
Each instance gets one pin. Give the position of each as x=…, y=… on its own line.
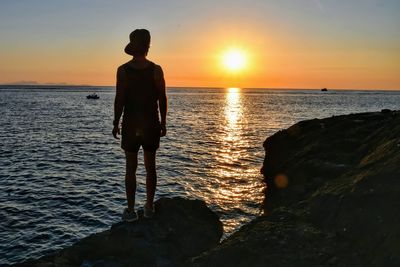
x=304, y=46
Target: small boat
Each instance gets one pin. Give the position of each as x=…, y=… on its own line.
x=92, y=96
x=324, y=89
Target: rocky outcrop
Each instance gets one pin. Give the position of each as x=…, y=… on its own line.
x=332, y=198
x=179, y=230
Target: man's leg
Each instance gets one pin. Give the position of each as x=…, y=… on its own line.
x=130, y=178
x=151, y=176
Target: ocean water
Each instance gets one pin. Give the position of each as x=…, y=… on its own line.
x=61, y=171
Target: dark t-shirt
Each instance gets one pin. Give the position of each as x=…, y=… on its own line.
x=140, y=99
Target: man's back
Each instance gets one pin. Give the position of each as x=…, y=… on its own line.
x=141, y=96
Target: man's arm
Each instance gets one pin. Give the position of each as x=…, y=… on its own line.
x=162, y=98
x=119, y=100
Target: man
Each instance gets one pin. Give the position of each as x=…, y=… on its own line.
x=141, y=97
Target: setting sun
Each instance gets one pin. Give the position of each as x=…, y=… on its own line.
x=234, y=60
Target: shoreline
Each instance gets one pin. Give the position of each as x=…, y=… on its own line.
x=332, y=200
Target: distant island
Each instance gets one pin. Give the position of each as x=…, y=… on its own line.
x=35, y=84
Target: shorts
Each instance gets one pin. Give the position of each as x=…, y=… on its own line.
x=133, y=139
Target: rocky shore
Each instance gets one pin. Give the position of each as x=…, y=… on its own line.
x=332, y=199
x=180, y=230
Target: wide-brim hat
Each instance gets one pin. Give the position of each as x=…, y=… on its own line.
x=139, y=42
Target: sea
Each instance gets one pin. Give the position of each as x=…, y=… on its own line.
x=62, y=172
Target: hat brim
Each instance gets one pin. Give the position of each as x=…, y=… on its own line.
x=129, y=49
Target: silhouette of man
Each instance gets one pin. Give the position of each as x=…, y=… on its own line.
x=141, y=97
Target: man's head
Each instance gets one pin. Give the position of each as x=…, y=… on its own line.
x=139, y=43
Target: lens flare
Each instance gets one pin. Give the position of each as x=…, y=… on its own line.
x=281, y=181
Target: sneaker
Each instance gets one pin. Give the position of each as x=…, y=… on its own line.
x=129, y=216
x=148, y=212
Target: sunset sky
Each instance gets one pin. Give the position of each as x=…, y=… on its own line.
x=352, y=44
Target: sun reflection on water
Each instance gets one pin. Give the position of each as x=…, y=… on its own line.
x=237, y=183
x=233, y=112
x=231, y=140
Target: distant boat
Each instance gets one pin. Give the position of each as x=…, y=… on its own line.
x=92, y=96
x=324, y=89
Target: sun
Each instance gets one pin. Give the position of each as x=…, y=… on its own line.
x=234, y=59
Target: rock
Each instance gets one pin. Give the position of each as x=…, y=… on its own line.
x=179, y=230
x=332, y=198
x=309, y=155
x=264, y=242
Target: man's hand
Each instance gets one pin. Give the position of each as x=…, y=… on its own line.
x=116, y=132
x=163, y=130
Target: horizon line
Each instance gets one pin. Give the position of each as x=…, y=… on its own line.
x=201, y=87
